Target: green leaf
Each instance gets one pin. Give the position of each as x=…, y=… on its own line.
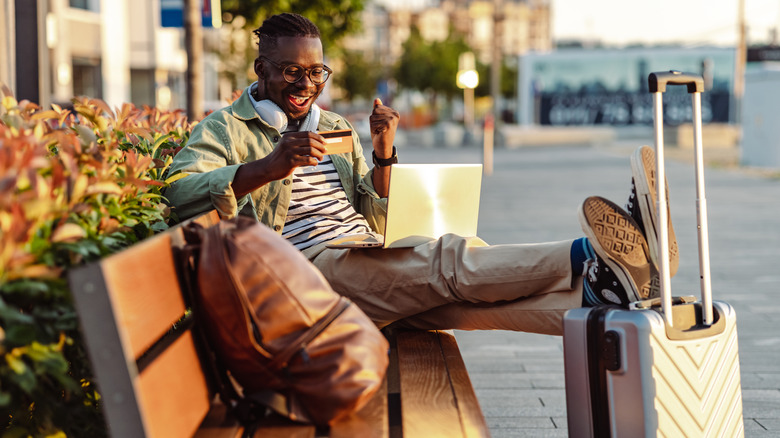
x=27, y=291
x=5, y=398
x=19, y=334
x=26, y=380
x=16, y=363
x=112, y=242
x=48, y=360
x=173, y=178
x=13, y=316
x=160, y=227
x=157, y=143
x=86, y=248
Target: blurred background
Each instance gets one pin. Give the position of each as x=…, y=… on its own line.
x=547, y=71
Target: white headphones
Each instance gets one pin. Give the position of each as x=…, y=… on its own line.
x=274, y=116
x=271, y=113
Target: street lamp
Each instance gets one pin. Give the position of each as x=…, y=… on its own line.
x=467, y=79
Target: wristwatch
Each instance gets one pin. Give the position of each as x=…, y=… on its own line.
x=384, y=162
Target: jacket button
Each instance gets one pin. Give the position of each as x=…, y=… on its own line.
x=276, y=138
x=277, y=228
x=286, y=182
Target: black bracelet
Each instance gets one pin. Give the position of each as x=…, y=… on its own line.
x=384, y=162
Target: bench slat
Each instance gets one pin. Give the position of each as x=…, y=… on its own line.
x=277, y=427
x=428, y=405
x=138, y=276
x=473, y=421
x=218, y=424
x=173, y=400
x=369, y=422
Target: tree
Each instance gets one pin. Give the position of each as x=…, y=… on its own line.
x=413, y=70
x=358, y=78
x=193, y=37
x=445, y=59
x=430, y=66
x=335, y=18
x=508, y=80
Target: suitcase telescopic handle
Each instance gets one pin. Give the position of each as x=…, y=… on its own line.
x=657, y=82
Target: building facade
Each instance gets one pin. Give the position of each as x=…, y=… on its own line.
x=523, y=25
x=114, y=50
x=118, y=50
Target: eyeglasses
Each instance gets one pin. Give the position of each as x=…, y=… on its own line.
x=293, y=73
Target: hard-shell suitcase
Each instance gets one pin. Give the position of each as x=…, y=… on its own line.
x=666, y=367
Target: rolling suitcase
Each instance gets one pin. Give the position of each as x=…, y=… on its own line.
x=668, y=366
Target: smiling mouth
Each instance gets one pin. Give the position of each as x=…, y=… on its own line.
x=298, y=101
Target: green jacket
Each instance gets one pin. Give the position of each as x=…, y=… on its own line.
x=234, y=135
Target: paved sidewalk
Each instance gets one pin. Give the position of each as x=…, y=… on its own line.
x=519, y=377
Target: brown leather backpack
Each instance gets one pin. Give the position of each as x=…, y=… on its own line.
x=278, y=328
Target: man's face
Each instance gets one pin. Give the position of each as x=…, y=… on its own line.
x=294, y=99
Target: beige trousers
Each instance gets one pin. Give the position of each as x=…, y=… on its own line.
x=458, y=283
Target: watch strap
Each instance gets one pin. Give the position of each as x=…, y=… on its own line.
x=384, y=162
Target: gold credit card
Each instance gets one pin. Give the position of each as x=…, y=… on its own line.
x=338, y=142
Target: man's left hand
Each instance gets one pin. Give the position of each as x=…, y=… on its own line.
x=383, y=123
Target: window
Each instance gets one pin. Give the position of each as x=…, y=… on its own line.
x=87, y=78
x=142, y=87
x=90, y=5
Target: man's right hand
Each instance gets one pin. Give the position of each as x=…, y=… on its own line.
x=295, y=149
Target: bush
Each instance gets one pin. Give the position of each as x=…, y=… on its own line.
x=75, y=185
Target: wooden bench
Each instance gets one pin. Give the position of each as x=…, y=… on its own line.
x=148, y=362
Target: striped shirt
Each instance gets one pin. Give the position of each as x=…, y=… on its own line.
x=319, y=210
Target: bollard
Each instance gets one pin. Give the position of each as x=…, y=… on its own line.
x=487, y=145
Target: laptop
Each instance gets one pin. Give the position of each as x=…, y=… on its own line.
x=425, y=201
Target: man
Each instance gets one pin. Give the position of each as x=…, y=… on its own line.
x=263, y=157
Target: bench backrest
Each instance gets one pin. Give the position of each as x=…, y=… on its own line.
x=137, y=331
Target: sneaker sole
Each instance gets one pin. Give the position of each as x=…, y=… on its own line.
x=619, y=242
x=643, y=168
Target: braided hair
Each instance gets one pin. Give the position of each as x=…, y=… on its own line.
x=283, y=25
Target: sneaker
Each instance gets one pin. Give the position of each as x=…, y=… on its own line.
x=641, y=205
x=600, y=285
x=621, y=272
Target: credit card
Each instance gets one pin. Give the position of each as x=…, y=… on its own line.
x=337, y=142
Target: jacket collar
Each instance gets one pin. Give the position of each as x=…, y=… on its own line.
x=328, y=121
x=243, y=108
